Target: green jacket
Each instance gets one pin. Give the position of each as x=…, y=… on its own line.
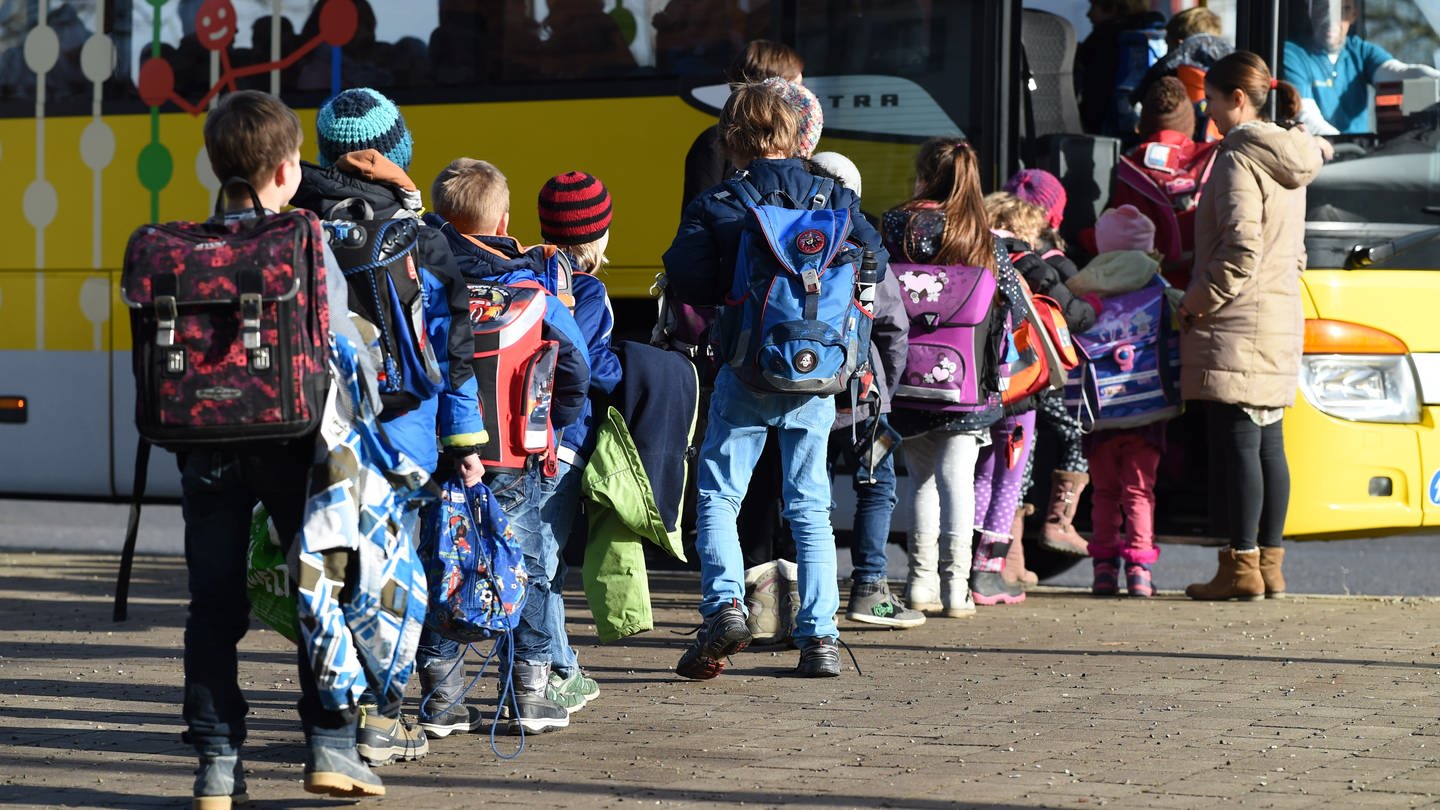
x=622, y=514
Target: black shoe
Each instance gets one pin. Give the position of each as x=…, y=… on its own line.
x=819, y=657
x=724, y=633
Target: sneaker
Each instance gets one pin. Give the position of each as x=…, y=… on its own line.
x=873, y=603
x=219, y=782
x=990, y=588
x=381, y=740
x=762, y=602
x=1107, y=577
x=819, y=657
x=537, y=713
x=578, y=689
x=340, y=772
x=1137, y=580
x=458, y=719
x=723, y=634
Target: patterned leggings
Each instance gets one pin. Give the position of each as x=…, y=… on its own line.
x=1053, y=419
x=997, y=486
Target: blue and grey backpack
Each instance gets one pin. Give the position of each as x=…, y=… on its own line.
x=792, y=323
x=1129, y=373
x=473, y=565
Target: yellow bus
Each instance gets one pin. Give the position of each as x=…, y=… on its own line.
x=101, y=103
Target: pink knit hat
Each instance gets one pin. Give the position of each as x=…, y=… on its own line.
x=1124, y=228
x=807, y=111
x=1039, y=187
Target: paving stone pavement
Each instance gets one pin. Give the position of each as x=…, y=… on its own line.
x=1063, y=701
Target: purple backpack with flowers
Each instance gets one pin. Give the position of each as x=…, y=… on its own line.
x=955, y=336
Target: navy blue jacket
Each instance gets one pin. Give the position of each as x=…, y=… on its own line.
x=502, y=261
x=700, y=264
x=596, y=321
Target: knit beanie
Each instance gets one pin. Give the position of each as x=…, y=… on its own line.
x=841, y=167
x=807, y=111
x=1039, y=187
x=574, y=209
x=1124, y=228
x=361, y=118
x=1167, y=106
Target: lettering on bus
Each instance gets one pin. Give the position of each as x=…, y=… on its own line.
x=863, y=100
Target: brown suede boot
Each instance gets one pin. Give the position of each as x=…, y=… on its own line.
x=1237, y=578
x=1015, y=570
x=1059, y=534
x=1270, y=560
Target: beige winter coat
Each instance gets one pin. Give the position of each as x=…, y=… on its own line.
x=1245, y=345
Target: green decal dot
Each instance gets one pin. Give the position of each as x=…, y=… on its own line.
x=155, y=167
x=625, y=21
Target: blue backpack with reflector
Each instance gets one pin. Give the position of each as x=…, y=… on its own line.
x=1129, y=374
x=792, y=323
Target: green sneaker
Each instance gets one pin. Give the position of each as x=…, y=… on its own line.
x=572, y=692
x=873, y=603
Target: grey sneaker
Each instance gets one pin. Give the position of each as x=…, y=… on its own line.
x=219, y=782
x=381, y=740
x=819, y=657
x=873, y=603
x=577, y=690
x=339, y=772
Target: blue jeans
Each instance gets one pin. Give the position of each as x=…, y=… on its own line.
x=874, y=505
x=559, y=501
x=733, y=441
x=219, y=491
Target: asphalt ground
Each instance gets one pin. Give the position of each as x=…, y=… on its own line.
x=1063, y=701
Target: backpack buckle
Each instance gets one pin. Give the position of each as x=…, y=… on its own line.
x=811, y=280
x=250, y=319
x=165, y=316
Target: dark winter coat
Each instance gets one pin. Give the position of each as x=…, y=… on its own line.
x=1045, y=279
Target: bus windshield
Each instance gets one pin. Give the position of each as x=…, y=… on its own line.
x=1367, y=77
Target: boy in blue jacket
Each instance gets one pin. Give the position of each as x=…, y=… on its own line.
x=472, y=200
x=575, y=212
x=364, y=150
x=760, y=133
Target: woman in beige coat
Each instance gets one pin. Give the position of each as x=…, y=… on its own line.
x=1242, y=319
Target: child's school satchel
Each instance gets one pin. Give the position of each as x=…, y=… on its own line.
x=955, y=336
x=515, y=371
x=228, y=322
x=1131, y=370
x=1040, y=353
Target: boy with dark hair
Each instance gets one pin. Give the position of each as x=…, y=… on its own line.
x=760, y=133
x=472, y=200
x=254, y=136
x=364, y=150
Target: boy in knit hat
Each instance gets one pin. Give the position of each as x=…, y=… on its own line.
x=364, y=150
x=575, y=212
x=471, y=199
x=1123, y=462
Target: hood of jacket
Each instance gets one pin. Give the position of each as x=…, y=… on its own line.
x=499, y=258
x=1290, y=156
x=366, y=175
x=1115, y=273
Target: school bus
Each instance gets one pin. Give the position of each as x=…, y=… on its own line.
x=101, y=105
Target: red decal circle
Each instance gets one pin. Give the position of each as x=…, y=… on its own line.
x=810, y=242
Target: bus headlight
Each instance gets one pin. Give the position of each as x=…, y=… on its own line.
x=1362, y=387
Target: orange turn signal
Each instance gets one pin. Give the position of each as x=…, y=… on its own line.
x=1343, y=337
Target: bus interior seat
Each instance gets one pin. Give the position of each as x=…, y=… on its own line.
x=1084, y=164
x=1049, y=46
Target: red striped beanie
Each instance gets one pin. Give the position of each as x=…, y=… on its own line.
x=574, y=209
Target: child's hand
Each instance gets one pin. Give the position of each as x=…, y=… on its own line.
x=471, y=469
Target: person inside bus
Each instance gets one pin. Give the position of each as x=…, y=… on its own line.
x=1242, y=327
x=1097, y=61
x=1192, y=39
x=1334, y=71
x=584, y=42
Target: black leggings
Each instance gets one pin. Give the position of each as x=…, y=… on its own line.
x=1249, y=477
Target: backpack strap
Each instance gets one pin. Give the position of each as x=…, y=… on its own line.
x=741, y=187
x=820, y=191
x=132, y=530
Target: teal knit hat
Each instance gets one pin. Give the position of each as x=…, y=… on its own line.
x=361, y=118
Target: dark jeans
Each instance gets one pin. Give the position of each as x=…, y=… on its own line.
x=874, y=506
x=1249, y=476
x=220, y=489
